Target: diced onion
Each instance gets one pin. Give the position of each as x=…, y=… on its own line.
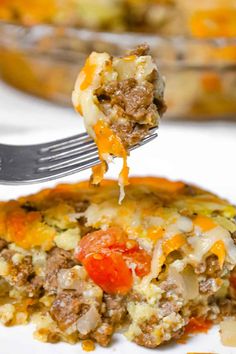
x=187, y=282
x=228, y=331
x=89, y=321
x=184, y=224
x=72, y=278
x=191, y=286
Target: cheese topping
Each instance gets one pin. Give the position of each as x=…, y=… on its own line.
x=155, y=215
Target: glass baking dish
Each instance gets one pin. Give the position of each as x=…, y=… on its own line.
x=44, y=60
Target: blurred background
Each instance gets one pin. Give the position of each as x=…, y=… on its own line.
x=43, y=44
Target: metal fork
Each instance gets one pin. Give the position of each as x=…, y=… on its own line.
x=38, y=163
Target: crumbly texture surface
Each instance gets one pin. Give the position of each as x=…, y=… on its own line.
x=125, y=93
x=137, y=109
x=174, y=245
x=120, y=99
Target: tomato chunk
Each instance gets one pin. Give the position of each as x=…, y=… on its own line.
x=108, y=257
x=110, y=272
x=197, y=325
x=141, y=259
x=113, y=239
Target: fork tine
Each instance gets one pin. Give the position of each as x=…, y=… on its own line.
x=146, y=140
x=25, y=164
x=80, y=149
x=61, y=163
x=84, y=157
x=71, y=142
x=65, y=169
x=58, y=144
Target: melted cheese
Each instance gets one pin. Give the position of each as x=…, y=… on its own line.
x=109, y=144
x=150, y=214
x=100, y=69
x=219, y=250
x=89, y=80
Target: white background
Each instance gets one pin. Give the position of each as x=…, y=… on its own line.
x=202, y=154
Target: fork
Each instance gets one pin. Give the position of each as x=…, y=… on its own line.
x=38, y=163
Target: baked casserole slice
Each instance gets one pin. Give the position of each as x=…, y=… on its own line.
x=82, y=266
x=120, y=99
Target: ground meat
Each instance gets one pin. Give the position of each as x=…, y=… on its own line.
x=233, y=235
x=208, y=286
x=135, y=99
x=103, y=334
x=57, y=259
x=128, y=132
x=212, y=266
x=4, y=287
x=140, y=50
x=167, y=307
x=178, y=334
x=115, y=308
x=227, y=307
x=200, y=268
x=3, y=244
x=81, y=206
x=35, y=287
x=7, y=255
x=84, y=229
x=168, y=285
x=66, y=309
x=146, y=338
x=21, y=272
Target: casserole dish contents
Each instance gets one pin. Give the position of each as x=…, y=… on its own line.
x=202, y=19
x=81, y=266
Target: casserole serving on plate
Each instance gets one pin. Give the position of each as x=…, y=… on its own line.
x=81, y=266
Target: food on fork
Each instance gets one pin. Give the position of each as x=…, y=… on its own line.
x=120, y=99
x=81, y=266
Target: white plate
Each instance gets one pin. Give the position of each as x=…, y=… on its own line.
x=202, y=154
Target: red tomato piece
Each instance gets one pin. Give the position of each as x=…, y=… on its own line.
x=197, y=325
x=113, y=238
x=110, y=272
x=142, y=260
x=107, y=257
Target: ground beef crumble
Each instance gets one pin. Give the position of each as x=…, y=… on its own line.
x=136, y=108
x=140, y=50
x=233, y=235
x=57, y=259
x=66, y=308
x=135, y=99
x=3, y=244
x=115, y=308
x=208, y=286
x=146, y=338
x=103, y=334
x=21, y=272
